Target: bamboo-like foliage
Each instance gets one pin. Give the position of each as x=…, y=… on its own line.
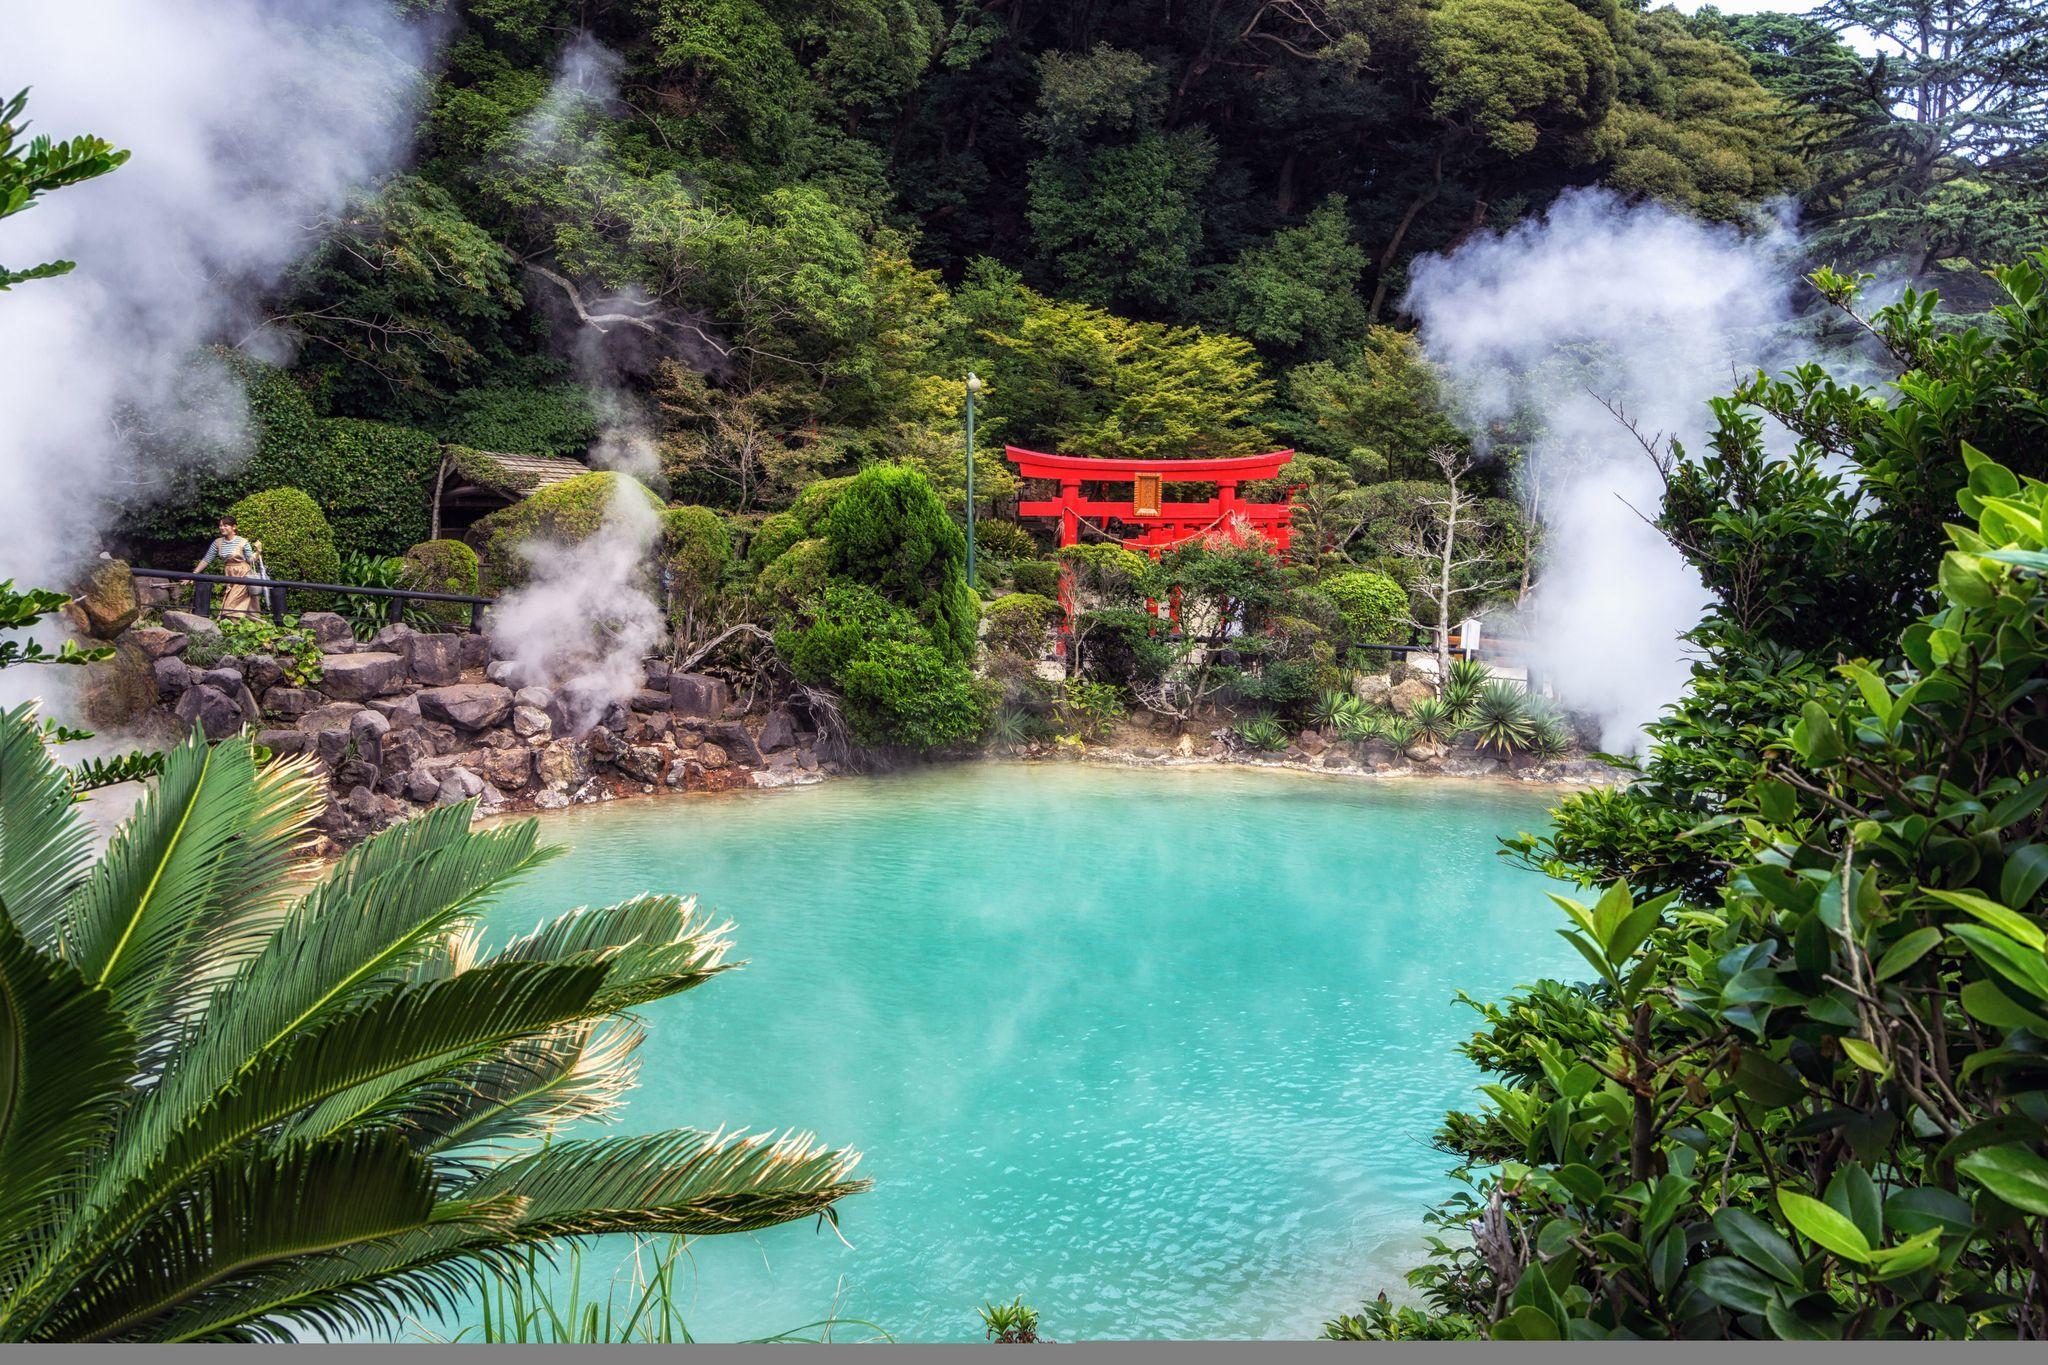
x=235, y=1105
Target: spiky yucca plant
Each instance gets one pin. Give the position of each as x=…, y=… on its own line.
x=1501, y=718
x=1434, y=721
x=1461, y=685
x=238, y=1104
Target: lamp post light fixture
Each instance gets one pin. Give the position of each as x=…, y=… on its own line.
x=973, y=387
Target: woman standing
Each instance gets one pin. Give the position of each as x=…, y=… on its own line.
x=238, y=558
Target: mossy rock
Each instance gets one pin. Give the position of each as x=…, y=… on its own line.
x=106, y=598
x=443, y=566
x=565, y=513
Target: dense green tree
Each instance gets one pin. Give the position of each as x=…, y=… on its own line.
x=1298, y=293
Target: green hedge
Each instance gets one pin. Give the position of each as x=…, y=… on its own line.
x=373, y=481
x=296, y=539
x=1040, y=577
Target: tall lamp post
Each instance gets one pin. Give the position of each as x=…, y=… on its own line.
x=973, y=387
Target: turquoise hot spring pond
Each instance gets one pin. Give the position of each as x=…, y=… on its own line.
x=1159, y=1051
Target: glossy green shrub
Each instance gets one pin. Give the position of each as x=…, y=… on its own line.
x=888, y=529
x=1003, y=540
x=897, y=685
x=373, y=481
x=1372, y=606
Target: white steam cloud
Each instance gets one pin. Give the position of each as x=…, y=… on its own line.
x=1538, y=330
x=250, y=121
x=583, y=622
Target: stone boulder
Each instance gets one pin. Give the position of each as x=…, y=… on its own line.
x=734, y=739
x=186, y=623
x=1403, y=695
x=531, y=723
x=359, y=677
x=1372, y=688
x=106, y=599
x=172, y=677
x=564, y=764
x=262, y=671
x=698, y=694
x=331, y=631
x=394, y=638
x=508, y=769
x=230, y=682
x=213, y=711
x=289, y=703
x=119, y=690
x=282, y=742
x=504, y=672
x=155, y=641
x=779, y=731
x=539, y=698
x=641, y=762
x=710, y=756
x=467, y=706
x=367, y=729
x=458, y=784
x=474, y=650
x=649, y=699
x=434, y=660
x=400, y=751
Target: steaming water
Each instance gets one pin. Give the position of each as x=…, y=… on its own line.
x=1159, y=1051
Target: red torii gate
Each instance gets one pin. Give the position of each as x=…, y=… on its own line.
x=1164, y=524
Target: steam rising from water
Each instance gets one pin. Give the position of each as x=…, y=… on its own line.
x=250, y=121
x=583, y=621
x=1538, y=330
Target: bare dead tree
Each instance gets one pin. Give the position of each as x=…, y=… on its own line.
x=1443, y=537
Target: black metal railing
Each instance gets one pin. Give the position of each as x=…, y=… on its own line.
x=275, y=590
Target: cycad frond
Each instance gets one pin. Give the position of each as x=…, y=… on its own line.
x=247, y=1214
x=128, y=926
x=386, y=905
x=43, y=843
x=654, y=946
x=406, y=1036
x=693, y=1183
x=526, y=1091
x=65, y=1061
x=361, y=1289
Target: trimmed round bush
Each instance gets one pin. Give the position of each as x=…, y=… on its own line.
x=772, y=538
x=442, y=566
x=1369, y=604
x=1039, y=577
x=1017, y=623
x=565, y=513
x=296, y=539
x=1003, y=540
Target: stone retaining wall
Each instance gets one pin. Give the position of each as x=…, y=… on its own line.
x=411, y=719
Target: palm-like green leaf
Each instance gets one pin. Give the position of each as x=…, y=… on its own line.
x=528, y=1090
x=148, y=896
x=65, y=1061
x=654, y=946
x=248, y=1214
x=228, y=1109
x=363, y=928
x=692, y=1183
x=43, y=843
